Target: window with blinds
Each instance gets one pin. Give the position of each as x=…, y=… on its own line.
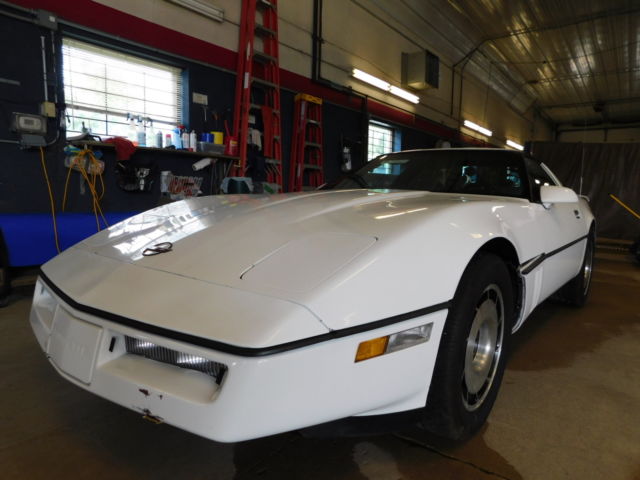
x=103, y=88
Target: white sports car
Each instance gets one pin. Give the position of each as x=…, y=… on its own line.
x=396, y=289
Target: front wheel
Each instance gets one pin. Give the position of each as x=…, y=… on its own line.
x=473, y=350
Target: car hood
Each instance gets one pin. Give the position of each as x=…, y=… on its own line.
x=324, y=254
x=296, y=240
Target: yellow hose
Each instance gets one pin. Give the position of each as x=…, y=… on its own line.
x=627, y=208
x=53, y=208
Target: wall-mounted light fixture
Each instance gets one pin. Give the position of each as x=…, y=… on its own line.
x=478, y=128
x=515, y=145
x=386, y=86
x=205, y=9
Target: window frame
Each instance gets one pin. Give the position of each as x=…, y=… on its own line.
x=395, y=140
x=180, y=72
x=531, y=164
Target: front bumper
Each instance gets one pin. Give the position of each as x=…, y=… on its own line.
x=258, y=396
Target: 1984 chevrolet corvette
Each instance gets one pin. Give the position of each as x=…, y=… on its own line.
x=395, y=289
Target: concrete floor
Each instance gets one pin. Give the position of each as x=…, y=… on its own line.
x=569, y=408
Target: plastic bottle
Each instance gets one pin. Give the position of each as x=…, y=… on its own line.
x=150, y=136
x=167, y=140
x=159, y=139
x=193, y=141
x=132, y=134
x=141, y=135
x=177, y=141
x=185, y=140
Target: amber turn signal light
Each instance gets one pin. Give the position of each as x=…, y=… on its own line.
x=394, y=342
x=372, y=348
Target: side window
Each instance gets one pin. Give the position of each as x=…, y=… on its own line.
x=491, y=173
x=537, y=177
x=382, y=139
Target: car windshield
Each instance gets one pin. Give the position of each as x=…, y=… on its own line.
x=481, y=172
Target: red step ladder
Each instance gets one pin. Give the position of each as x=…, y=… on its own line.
x=258, y=85
x=306, y=145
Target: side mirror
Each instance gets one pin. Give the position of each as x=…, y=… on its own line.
x=550, y=194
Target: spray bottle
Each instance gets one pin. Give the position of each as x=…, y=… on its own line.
x=193, y=141
x=177, y=141
x=185, y=140
x=132, y=134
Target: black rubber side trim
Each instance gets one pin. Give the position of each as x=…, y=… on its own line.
x=531, y=264
x=234, y=349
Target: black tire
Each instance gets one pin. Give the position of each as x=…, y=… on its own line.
x=576, y=291
x=459, y=401
x=634, y=249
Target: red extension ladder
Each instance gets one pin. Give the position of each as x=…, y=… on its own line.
x=258, y=85
x=306, y=145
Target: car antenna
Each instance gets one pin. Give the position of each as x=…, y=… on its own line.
x=584, y=132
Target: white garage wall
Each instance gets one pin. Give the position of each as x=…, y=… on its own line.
x=172, y=16
x=355, y=36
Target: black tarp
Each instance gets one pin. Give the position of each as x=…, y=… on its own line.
x=606, y=168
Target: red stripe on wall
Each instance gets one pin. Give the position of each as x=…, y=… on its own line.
x=115, y=22
x=100, y=17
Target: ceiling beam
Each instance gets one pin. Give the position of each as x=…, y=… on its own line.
x=613, y=101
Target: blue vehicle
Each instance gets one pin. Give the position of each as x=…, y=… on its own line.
x=28, y=239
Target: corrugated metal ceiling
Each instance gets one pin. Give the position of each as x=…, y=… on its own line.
x=577, y=61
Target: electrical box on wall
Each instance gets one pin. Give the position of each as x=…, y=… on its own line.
x=420, y=70
x=29, y=123
x=200, y=98
x=46, y=19
x=31, y=129
x=48, y=109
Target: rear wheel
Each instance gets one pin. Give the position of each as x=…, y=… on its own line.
x=473, y=349
x=634, y=249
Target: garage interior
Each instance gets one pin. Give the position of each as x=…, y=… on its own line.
x=557, y=80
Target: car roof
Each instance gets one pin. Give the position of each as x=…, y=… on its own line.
x=467, y=149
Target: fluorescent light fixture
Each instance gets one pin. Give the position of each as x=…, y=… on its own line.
x=386, y=86
x=371, y=80
x=404, y=94
x=203, y=8
x=515, y=145
x=478, y=128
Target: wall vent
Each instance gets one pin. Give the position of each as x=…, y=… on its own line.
x=420, y=70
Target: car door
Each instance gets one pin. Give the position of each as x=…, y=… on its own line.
x=562, y=227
